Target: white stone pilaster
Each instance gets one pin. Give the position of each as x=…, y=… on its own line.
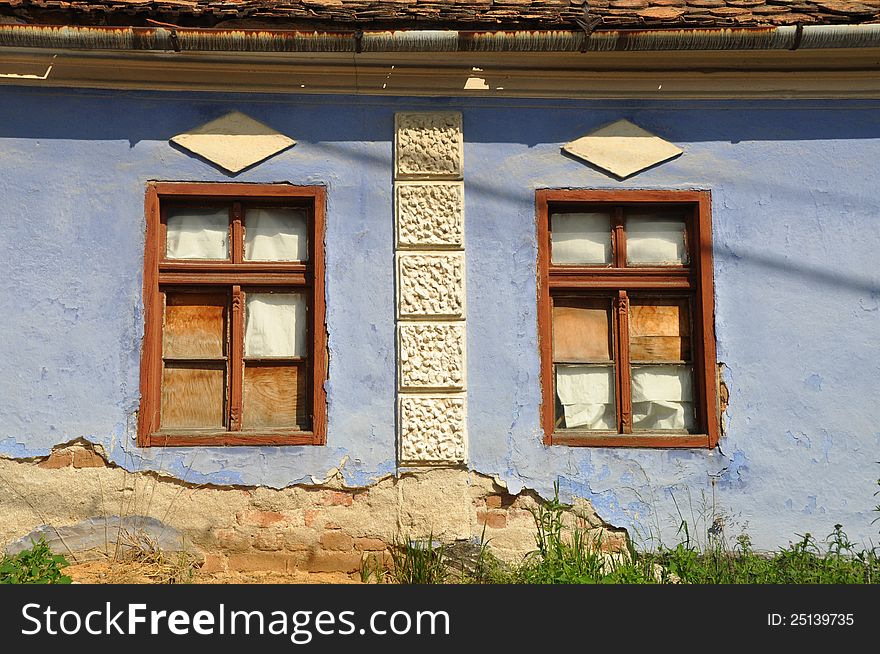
x=430, y=276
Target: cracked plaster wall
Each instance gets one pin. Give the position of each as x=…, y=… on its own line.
x=797, y=293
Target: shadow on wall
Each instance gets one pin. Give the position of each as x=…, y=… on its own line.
x=818, y=275
x=156, y=116
x=333, y=125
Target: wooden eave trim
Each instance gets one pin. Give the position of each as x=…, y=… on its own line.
x=828, y=73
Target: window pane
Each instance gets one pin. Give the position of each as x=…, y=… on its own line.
x=193, y=396
x=195, y=326
x=197, y=234
x=662, y=398
x=659, y=330
x=580, y=238
x=272, y=234
x=586, y=394
x=580, y=330
x=275, y=325
x=659, y=239
x=275, y=396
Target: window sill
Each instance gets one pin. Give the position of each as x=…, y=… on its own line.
x=227, y=438
x=645, y=440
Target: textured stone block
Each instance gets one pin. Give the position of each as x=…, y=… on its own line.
x=430, y=214
x=432, y=429
x=431, y=355
x=428, y=145
x=431, y=285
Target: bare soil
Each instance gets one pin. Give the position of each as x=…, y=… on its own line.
x=138, y=572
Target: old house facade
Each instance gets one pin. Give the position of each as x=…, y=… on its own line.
x=290, y=280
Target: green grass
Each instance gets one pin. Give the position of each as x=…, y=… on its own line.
x=38, y=565
x=574, y=556
x=419, y=561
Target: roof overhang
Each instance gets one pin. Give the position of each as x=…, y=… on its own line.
x=812, y=61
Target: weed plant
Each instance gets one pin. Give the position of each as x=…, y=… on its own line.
x=37, y=565
x=574, y=556
x=419, y=561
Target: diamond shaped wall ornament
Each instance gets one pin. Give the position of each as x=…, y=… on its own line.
x=622, y=148
x=234, y=141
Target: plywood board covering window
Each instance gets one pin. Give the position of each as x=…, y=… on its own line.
x=626, y=318
x=235, y=343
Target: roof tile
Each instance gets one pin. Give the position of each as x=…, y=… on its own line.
x=661, y=13
x=629, y=4
x=846, y=8
x=445, y=14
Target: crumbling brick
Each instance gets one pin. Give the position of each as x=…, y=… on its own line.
x=337, y=540
x=336, y=498
x=57, y=459
x=369, y=544
x=330, y=561
x=494, y=519
x=214, y=563
x=86, y=458
x=259, y=518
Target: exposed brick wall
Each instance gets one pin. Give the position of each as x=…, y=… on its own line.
x=317, y=529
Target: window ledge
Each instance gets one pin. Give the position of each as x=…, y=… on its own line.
x=225, y=438
x=645, y=440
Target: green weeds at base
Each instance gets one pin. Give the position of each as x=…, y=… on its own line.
x=574, y=556
x=419, y=561
x=38, y=565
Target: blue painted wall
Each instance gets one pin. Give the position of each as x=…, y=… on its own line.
x=796, y=220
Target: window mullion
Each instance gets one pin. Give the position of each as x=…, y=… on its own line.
x=624, y=386
x=237, y=233
x=618, y=238
x=236, y=346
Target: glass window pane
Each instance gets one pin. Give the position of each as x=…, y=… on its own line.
x=275, y=325
x=580, y=238
x=580, y=330
x=195, y=326
x=275, y=234
x=197, y=234
x=659, y=239
x=275, y=396
x=586, y=397
x=193, y=396
x=662, y=398
x=659, y=330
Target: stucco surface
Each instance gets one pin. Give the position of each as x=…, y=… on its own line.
x=795, y=222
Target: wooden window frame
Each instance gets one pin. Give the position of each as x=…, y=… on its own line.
x=233, y=274
x=694, y=280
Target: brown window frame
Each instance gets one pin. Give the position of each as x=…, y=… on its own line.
x=694, y=280
x=160, y=273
